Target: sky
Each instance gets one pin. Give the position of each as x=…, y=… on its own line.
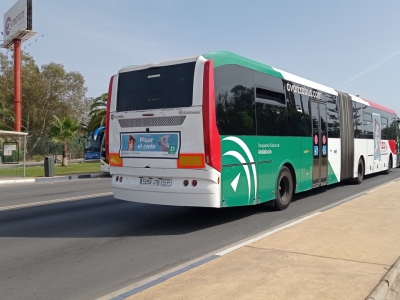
x=349, y=45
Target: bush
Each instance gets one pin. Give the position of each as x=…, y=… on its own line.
x=37, y=157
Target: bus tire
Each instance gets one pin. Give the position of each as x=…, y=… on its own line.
x=389, y=166
x=284, y=189
x=360, y=172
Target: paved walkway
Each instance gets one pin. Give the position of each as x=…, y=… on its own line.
x=341, y=253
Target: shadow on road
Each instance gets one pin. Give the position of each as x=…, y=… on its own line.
x=107, y=217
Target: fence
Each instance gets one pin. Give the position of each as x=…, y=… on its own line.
x=13, y=152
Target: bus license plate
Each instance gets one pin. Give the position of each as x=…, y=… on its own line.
x=156, y=182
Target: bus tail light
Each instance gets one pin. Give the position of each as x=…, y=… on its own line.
x=186, y=182
x=191, y=161
x=212, y=142
x=107, y=133
x=115, y=160
x=194, y=182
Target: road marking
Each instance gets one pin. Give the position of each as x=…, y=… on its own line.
x=5, y=182
x=54, y=201
x=154, y=280
x=257, y=238
x=160, y=277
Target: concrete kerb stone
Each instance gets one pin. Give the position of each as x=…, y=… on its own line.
x=383, y=289
x=57, y=178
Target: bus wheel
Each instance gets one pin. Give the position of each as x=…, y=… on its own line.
x=360, y=172
x=284, y=190
x=389, y=166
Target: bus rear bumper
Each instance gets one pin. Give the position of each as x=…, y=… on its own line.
x=205, y=194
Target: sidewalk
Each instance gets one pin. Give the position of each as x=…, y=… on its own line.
x=19, y=180
x=341, y=253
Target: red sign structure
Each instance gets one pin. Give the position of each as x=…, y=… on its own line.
x=17, y=28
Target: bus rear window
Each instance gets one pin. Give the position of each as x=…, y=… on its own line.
x=156, y=88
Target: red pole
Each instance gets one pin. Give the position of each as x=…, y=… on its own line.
x=17, y=84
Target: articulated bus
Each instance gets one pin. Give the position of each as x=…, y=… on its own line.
x=221, y=130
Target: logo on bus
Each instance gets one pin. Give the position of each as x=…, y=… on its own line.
x=242, y=160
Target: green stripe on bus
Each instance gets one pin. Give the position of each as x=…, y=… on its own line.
x=251, y=165
x=221, y=58
x=331, y=175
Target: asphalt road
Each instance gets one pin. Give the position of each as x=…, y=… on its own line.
x=88, y=248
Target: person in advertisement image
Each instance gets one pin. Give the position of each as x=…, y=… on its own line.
x=131, y=143
x=377, y=136
x=163, y=142
x=150, y=145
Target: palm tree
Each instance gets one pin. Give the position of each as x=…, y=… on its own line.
x=63, y=130
x=97, y=112
x=7, y=116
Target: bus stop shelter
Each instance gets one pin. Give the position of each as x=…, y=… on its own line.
x=12, y=153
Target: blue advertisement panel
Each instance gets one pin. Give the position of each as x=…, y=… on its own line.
x=150, y=144
x=376, y=121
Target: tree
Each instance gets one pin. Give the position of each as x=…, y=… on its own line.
x=7, y=117
x=62, y=130
x=97, y=113
x=46, y=91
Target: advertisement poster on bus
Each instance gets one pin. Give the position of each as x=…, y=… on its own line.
x=376, y=121
x=150, y=145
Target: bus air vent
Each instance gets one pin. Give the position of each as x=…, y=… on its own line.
x=149, y=122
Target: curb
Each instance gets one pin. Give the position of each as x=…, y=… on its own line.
x=386, y=288
x=58, y=178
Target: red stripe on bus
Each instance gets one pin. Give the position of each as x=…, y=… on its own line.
x=108, y=118
x=212, y=141
x=381, y=107
x=392, y=144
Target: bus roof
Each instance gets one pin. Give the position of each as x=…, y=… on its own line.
x=221, y=58
x=228, y=58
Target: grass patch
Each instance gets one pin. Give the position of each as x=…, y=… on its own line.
x=38, y=171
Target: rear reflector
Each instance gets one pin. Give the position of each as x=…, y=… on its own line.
x=191, y=161
x=115, y=160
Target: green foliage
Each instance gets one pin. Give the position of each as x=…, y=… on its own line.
x=97, y=114
x=38, y=171
x=7, y=116
x=37, y=157
x=46, y=91
x=62, y=130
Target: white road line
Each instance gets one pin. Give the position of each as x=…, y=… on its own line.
x=237, y=246
x=265, y=235
x=5, y=182
x=54, y=201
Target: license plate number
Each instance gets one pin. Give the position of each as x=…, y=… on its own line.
x=156, y=182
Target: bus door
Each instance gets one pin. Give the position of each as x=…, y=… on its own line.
x=320, y=143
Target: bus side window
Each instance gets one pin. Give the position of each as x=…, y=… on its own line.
x=357, y=120
x=384, y=128
x=367, y=126
x=234, y=100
